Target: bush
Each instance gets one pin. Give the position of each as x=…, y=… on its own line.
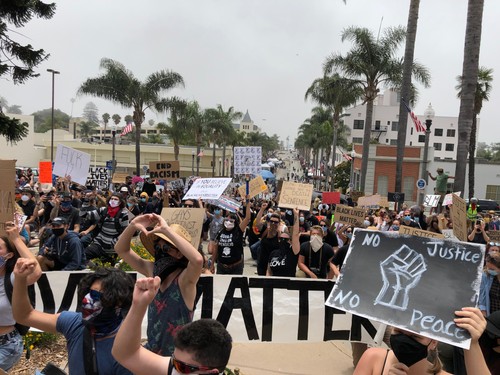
x=35, y=339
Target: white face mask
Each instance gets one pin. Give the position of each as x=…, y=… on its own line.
x=228, y=224
x=114, y=203
x=316, y=242
x=25, y=198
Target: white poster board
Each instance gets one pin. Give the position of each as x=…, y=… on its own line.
x=207, y=188
x=431, y=200
x=247, y=160
x=73, y=163
x=448, y=198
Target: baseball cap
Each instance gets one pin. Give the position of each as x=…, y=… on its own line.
x=148, y=240
x=59, y=221
x=123, y=189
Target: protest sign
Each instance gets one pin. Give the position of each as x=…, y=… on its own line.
x=252, y=308
x=189, y=182
x=355, y=195
x=404, y=229
x=331, y=197
x=164, y=170
x=226, y=203
x=431, y=200
x=349, y=215
x=247, y=160
x=494, y=235
x=448, y=198
x=189, y=218
x=98, y=177
x=255, y=185
x=403, y=292
x=396, y=197
x=370, y=201
x=175, y=184
x=71, y=162
x=45, y=172
x=119, y=177
x=448, y=234
x=207, y=188
x=7, y=185
x=297, y=195
x=459, y=218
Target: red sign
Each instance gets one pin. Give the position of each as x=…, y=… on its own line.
x=331, y=197
x=45, y=172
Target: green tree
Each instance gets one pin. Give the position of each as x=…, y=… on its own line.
x=470, y=69
x=105, y=120
x=12, y=128
x=43, y=120
x=483, y=90
x=116, y=119
x=20, y=60
x=372, y=63
x=91, y=113
x=120, y=86
x=87, y=128
x=177, y=126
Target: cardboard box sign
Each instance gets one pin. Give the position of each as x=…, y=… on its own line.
x=297, y=195
x=164, y=170
x=7, y=183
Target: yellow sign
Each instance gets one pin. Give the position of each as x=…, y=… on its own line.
x=255, y=187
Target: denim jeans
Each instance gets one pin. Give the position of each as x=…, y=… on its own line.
x=10, y=352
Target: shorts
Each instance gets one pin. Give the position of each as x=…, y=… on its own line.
x=11, y=350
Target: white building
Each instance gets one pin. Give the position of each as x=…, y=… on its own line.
x=246, y=125
x=443, y=137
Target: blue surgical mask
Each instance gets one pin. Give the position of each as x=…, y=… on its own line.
x=493, y=272
x=2, y=262
x=395, y=227
x=269, y=214
x=325, y=228
x=143, y=199
x=348, y=235
x=407, y=218
x=217, y=212
x=301, y=219
x=129, y=204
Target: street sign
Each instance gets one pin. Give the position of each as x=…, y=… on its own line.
x=351, y=185
x=109, y=164
x=145, y=168
x=421, y=184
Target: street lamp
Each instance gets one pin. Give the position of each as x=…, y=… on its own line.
x=113, y=158
x=351, y=180
x=220, y=166
x=54, y=72
x=336, y=123
x=429, y=115
x=192, y=162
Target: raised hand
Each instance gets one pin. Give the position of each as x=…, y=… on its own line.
x=25, y=267
x=145, y=290
x=471, y=319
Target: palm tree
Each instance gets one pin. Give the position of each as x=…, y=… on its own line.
x=177, y=127
x=120, y=86
x=411, y=35
x=196, y=123
x=372, y=63
x=105, y=120
x=483, y=90
x=470, y=69
x=337, y=93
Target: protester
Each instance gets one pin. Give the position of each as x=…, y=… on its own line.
x=105, y=296
x=490, y=341
x=177, y=263
x=201, y=347
x=478, y=233
x=12, y=248
x=315, y=255
x=270, y=241
x=63, y=208
x=214, y=228
x=283, y=259
x=489, y=292
x=410, y=351
x=441, y=185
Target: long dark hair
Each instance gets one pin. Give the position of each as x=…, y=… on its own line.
x=10, y=263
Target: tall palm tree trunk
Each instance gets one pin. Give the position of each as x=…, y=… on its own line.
x=176, y=151
x=213, y=160
x=224, y=159
x=469, y=76
x=472, y=158
x=334, y=152
x=366, y=143
x=137, y=149
x=411, y=35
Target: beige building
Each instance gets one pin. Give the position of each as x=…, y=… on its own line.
x=246, y=125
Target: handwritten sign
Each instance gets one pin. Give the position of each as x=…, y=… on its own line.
x=297, y=195
x=97, y=177
x=7, y=182
x=494, y=235
x=207, y=188
x=247, y=160
x=255, y=185
x=226, y=203
x=331, y=197
x=401, y=291
x=164, y=170
x=448, y=234
x=371, y=201
x=459, y=218
x=431, y=200
x=189, y=218
x=71, y=162
x=448, y=198
x=403, y=229
x=119, y=177
x=349, y=215
x=45, y=172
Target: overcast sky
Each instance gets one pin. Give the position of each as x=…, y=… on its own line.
x=259, y=55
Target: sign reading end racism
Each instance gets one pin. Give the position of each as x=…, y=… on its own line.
x=415, y=283
x=164, y=170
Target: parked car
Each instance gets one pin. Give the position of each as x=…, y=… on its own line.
x=486, y=205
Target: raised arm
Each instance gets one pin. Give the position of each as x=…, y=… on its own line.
x=248, y=216
x=24, y=252
x=295, y=234
x=127, y=348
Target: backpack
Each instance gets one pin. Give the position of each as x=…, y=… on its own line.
x=23, y=330
x=103, y=214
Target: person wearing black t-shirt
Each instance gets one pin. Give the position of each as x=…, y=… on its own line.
x=329, y=235
x=269, y=243
x=283, y=260
x=315, y=255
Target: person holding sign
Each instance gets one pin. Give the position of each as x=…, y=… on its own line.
x=178, y=265
x=229, y=252
x=441, y=185
x=410, y=352
x=283, y=260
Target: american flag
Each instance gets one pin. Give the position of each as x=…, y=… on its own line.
x=127, y=129
x=347, y=157
x=418, y=125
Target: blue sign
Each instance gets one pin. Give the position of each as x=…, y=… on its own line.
x=421, y=184
x=109, y=164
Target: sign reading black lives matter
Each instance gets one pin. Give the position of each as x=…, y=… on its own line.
x=98, y=177
x=410, y=282
x=247, y=160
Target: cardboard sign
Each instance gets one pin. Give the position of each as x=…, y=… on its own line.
x=355, y=195
x=71, y=162
x=119, y=177
x=416, y=283
x=349, y=215
x=448, y=198
x=370, y=201
x=247, y=160
x=190, y=218
x=331, y=197
x=207, y=188
x=98, y=177
x=164, y=170
x=494, y=235
x=459, y=218
x=297, y=195
x=255, y=185
x=431, y=200
x=45, y=172
x=403, y=229
x=7, y=186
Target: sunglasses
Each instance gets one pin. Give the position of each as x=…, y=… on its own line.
x=185, y=368
x=165, y=247
x=189, y=205
x=494, y=243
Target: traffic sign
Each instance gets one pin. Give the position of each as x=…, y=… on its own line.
x=109, y=164
x=351, y=185
x=145, y=168
x=421, y=184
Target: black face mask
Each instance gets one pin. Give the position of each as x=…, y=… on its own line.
x=58, y=231
x=165, y=264
x=407, y=350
